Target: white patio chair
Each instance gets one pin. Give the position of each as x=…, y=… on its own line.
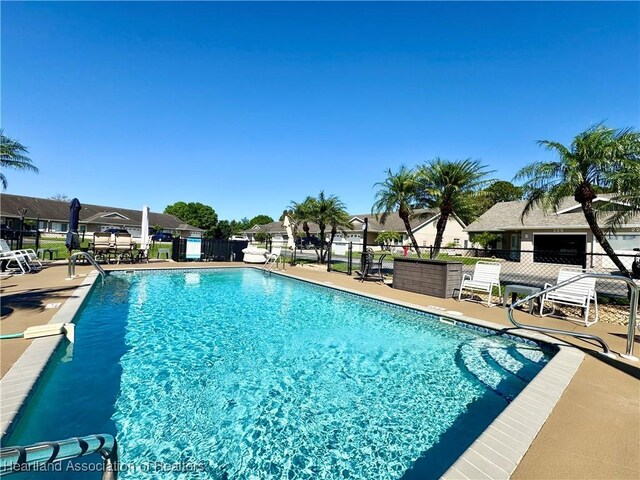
x=486, y=275
x=576, y=294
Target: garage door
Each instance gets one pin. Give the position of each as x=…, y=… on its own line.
x=563, y=249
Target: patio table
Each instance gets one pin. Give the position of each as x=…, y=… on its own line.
x=515, y=289
x=51, y=251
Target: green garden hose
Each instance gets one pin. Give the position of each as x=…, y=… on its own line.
x=11, y=335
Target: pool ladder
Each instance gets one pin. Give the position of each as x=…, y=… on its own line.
x=37, y=456
x=634, y=291
x=72, y=265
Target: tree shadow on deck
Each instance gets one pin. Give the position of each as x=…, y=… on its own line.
x=32, y=299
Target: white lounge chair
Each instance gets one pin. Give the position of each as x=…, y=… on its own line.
x=17, y=256
x=576, y=294
x=32, y=257
x=29, y=254
x=486, y=275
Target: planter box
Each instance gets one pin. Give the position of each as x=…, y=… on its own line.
x=437, y=278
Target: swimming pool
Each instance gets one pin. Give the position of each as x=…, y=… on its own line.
x=233, y=373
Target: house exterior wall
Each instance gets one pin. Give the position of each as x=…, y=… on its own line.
x=628, y=238
x=453, y=233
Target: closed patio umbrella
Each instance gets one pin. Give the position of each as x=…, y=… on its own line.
x=73, y=240
x=144, y=229
x=287, y=225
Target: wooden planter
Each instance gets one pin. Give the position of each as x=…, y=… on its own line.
x=437, y=278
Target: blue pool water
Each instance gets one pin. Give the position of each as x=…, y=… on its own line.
x=235, y=374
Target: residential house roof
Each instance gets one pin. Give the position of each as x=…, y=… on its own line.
x=393, y=223
x=505, y=216
x=58, y=211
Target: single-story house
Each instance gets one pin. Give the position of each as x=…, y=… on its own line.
x=424, y=230
x=548, y=237
x=52, y=217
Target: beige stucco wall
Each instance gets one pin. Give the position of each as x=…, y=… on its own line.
x=426, y=235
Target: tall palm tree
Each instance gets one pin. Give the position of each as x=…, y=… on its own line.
x=327, y=211
x=450, y=186
x=13, y=155
x=598, y=158
x=398, y=192
x=336, y=217
x=300, y=215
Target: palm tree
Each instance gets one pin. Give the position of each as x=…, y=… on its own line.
x=625, y=204
x=450, y=186
x=325, y=212
x=336, y=217
x=299, y=215
x=13, y=155
x=398, y=192
x=598, y=158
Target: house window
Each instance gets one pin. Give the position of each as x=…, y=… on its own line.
x=624, y=241
x=42, y=225
x=456, y=241
x=58, y=227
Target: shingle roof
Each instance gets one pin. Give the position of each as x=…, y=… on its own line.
x=58, y=211
x=278, y=227
x=393, y=223
x=506, y=216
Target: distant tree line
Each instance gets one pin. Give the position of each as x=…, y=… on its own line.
x=205, y=217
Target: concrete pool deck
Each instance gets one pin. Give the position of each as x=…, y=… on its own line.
x=593, y=431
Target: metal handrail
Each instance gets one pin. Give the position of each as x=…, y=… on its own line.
x=36, y=457
x=72, y=264
x=633, y=304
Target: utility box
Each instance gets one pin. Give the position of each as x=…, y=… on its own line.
x=437, y=278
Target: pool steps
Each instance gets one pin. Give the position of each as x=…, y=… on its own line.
x=505, y=371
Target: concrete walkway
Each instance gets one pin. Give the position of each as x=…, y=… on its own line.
x=593, y=432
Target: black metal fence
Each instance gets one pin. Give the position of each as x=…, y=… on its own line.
x=211, y=250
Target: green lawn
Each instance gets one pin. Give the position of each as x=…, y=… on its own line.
x=59, y=246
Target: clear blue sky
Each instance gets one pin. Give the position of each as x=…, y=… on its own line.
x=247, y=106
